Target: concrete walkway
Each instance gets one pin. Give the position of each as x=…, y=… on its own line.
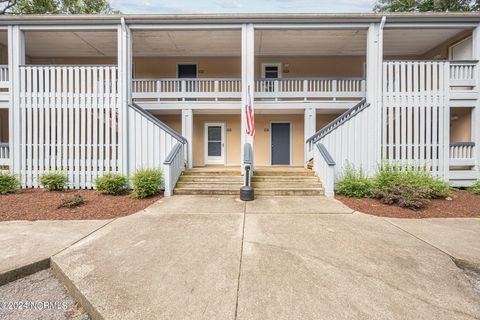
x=28, y=245
x=195, y=257
x=203, y=257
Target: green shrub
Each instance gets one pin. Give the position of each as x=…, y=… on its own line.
x=8, y=183
x=389, y=175
x=72, y=202
x=146, y=182
x=403, y=195
x=354, y=183
x=54, y=181
x=112, y=183
x=475, y=188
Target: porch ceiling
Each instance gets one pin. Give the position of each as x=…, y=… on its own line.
x=406, y=42
x=397, y=42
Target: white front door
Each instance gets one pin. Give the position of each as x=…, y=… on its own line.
x=214, y=143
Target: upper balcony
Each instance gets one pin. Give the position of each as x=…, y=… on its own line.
x=266, y=89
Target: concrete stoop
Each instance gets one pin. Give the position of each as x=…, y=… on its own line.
x=266, y=182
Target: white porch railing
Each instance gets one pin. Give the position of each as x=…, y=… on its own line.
x=277, y=89
x=462, y=154
x=153, y=144
x=149, y=89
x=3, y=76
x=310, y=88
x=4, y=154
x=344, y=140
x=173, y=166
x=462, y=73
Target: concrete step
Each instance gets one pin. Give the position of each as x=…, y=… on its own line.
x=286, y=184
x=289, y=192
x=210, y=172
x=194, y=178
x=270, y=172
x=285, y=178
x=210, y=185
x=200, y=191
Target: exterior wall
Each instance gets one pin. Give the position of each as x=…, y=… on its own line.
x=3, y=125
x=160, y=67
x=172, y=120
x=233, y=137
x=461, y=128
x=323, y=119
x=441, y=52
x=320, y=66
x=3, y=54
x=99, y=60
x=262, y=137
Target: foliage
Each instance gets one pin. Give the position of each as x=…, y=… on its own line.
x=112, y=183
x=57, y=7
x=426, y=5
x=72, y=202
x=354, y=183
x=54, y=181
x=475, y=188
x=389, y=175
x=146, y=182
x=403, y=195
x=8, y=183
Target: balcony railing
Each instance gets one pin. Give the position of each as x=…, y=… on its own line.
x=4, y=154
x=148, y=89
x=265, y=89
x=462, y=154
x=310, y=88
x=463, y=73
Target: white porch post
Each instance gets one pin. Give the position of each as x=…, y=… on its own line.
x=124, y=44
x=248, y=80
x=476, y=110
x=309, y=126
x=374, y=89
x=187, y=132
x=16, y=57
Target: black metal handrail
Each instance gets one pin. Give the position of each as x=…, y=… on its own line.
x=159, y=123
x=344, y=117
x=325, y=154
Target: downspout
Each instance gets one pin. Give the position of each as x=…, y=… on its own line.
x=380, y=88
x=125, y=50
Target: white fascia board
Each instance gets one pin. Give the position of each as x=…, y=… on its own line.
x=309, y=26
x=430, y=25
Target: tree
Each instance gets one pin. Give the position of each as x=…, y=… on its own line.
x=56, y=7
x=426, y=5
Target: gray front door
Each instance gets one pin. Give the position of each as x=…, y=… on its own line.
x=280, y=143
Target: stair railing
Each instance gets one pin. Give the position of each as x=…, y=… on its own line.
x=343, y=140
x=153, y=144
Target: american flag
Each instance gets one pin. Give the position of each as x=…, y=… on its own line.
x=249, y=116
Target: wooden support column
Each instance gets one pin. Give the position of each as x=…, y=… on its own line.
x=309, y=125
x=374, y=90
x=16, y=58
x=476, y=110
x=187, y=132
x=124, y=46
x=248, y=78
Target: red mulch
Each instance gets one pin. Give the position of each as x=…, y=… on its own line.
x=38, y=204
x=463, y=204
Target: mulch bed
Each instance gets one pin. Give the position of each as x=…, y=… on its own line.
x=463, y=204
x=38, y=204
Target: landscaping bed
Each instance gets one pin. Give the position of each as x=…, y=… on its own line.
x=463, y=204
x=39, y=204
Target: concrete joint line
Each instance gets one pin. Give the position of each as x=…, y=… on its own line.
x=460, y=263
x=241, y=257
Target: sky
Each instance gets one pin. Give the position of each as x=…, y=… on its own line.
x=242, y=6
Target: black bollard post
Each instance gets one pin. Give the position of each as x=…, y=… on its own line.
x=246, y=192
